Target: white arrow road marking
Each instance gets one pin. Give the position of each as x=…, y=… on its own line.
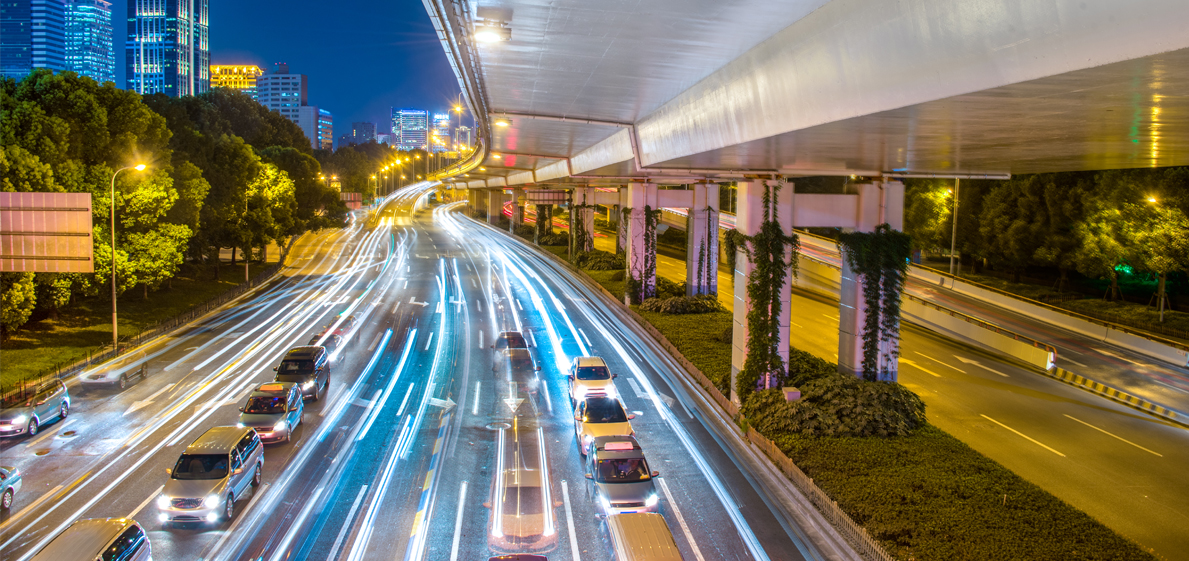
x=446, y=404
x=980, y=365
x=145, y=402
x=512, y=401
x=413, y=300
x=636, y=389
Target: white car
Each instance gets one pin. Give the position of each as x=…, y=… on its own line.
x=600, y=416
x=590, y=377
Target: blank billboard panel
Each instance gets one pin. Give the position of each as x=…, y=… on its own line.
x=46, y=233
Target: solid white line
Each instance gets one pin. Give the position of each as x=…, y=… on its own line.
x=479, y=303
x=939, y=362
x=565, y=493
x=681, y=519
x=462, y=497
x=330, y=398
x=146, y=502
x=372, y=346
x=51, y=433
x=1114, y=435
x=429, y=340
x=1030, y=439
x=584, y=337
x=518, y=306
x=334, y=549
x=480, y=338
x=368, y=414
x=531, y=339
x=1067, y=359
x=239, y=518
x=30, y=506
x=475, y=405
x=548, y=401
x=919, y=367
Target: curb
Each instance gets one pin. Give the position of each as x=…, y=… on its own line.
x=1119, y=396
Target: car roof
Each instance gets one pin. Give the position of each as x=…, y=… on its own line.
x=590, y=361
x=85, y=539
x=217, y=440
x=601, y=400
x=309, y=351
x=599, y=446
x=514, y=477
x=272, y=389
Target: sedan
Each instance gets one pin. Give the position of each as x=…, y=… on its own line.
x=10, y=481
x=600, y=416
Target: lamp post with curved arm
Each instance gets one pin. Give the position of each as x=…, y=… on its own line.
x=115, y=335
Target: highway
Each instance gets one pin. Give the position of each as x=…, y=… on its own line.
x=400, y=456
x=1121, y=466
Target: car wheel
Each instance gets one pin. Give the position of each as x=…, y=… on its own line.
x=123, y=382
x=288, y=438
x=63, y=410
x=32, y=431
x=229, y=508
x=6, y=501
x=256, y=477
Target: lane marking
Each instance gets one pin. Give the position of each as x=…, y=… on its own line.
x=518, y=306
x=1067, y=359
x=338, y=541
x=428, y=340
x=919, y=367
x=147, y=401
x=146, y=502
x=462, y=497
x=1114, y=435
x=30, y=507
x=71, y=486
x=636, y=389
x=531, y=339
x=1030, y=439
x=404, y=402
x=480, y=338
x=939, y=362
x=473, y=285
x=330, y=398
x=565, y=493
x=372, y=346
x=584, y=337
x=394, y=309
x=475, y=405
x=981, y=365
x=479, y=302
x=681, y=519
x=57, y=430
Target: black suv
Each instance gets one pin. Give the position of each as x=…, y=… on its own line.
x=308, y=367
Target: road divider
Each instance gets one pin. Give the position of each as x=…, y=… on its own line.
x=1119, y=396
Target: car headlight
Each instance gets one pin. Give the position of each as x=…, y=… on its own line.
x=163, y=502
x=211, y=501
x=280, y=425
x=651, y=500
x=239, y=425
x=606, y=503
x=20, y=419
x=307, y=385
x=610, y=389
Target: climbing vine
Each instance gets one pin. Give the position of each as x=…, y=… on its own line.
x=732, y=240
x=764, y=368
x=544, y=222
x=703, y=276
x=580, y=240
x=648, y=272
x=881, y=260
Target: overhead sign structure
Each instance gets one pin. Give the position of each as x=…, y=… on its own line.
x=46, y=233
x=546, y=196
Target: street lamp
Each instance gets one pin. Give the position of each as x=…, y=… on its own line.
x=954, y=233
x=115, y=335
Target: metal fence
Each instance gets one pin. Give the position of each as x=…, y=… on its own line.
x=99, y=355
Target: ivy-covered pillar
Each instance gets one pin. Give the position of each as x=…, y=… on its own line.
x=701, y=250
x=869, y=323
x=471, y=195
x=621, y=221
x=640, y=215
x=582, y=214
x=749, y=219
x=495, y=206
x=517, y=209
x=544, y=222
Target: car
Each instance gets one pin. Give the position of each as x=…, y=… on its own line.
x=639, y=536
x=509, y=340
x=589, y=376
x=519, y=557
x=521, y=521
x=10, y=481
x=600, y=416
x=273, y=409
x=346, y=329
x=619, y=476
x=130, y=366
x=211, y=474
x=99, y=538
x=330, y=342
x=26, y=412
x=307, y=366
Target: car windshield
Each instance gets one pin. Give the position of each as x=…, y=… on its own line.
x=593, y=373
x=604, y=411
x=511, y=340
x=293, y=366
x=522, y=500
x=201, y=466
x=264, y=405
x=623, y=471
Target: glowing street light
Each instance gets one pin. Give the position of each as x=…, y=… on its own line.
x=115, y=335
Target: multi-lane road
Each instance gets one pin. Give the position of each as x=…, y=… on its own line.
x=400, y=455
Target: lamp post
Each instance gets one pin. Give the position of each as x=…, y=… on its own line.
x=115, y=330
x=954, y=233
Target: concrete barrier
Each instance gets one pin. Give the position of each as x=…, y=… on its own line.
x=1119, y=396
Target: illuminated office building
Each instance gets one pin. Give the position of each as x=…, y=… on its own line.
x=241, y=77
x=325, y=130
x=168, y=47
x=362, y=133
x=441, y=133
x=410, y=129
x=32, y=35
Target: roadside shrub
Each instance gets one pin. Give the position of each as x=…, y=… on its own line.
x=727, y=335
x=701, y=304
x=554, y=239
x=526, y=231
x=838, y=405
x=599, y=260
x=672, y=237
x=618, y=275
x=666, y=288
x=804, y=367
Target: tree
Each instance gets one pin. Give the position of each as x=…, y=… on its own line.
x=928, y=208
x=1161, y=238
x=1102, y=247
x=1009, y=223
x=317, y=205
x=17, y=299
x=1063, y=199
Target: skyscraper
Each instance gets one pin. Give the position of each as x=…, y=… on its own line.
x=410, y=129
x=240, y=77
x=325, y=130
x=89, y=48
x=168, y=48
x=440, y=140
x=285, y=93
x=32, y=35
x=361, y=133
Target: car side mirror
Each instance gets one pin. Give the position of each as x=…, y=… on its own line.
x=656, y=474
x=631, y=416
x=169, y=471
x=614, y=376
x=487, y=505
x=538, y=369
x=590, y=476
x=493, y=346
x=241, y=409
x=274, y=369
x=238, y=471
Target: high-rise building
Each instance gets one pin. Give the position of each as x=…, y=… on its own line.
x=440, y=137
x=362, y=133
x=286, y=94
x=410, y=129
x=32, y=35
x=168, y=47
x=240, y=77
x=325, y=130
x=384, y=139
x=89, y=48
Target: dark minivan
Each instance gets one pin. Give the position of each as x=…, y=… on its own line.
x=308, y=367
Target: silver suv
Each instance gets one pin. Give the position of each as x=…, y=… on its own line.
x=25, y=412
x=99, y=539
x=619, y=476
x=212, y=472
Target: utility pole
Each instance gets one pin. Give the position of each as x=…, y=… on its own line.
x=954, y=233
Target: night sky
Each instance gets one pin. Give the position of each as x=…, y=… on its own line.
x=362, y=57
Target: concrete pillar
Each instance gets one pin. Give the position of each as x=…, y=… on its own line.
x=517, y=209
x=701, y=250
x=471, y=202
x=621, y=224
x=582, y=210
x=641, y=263
x=495, y=206
x=749, y=216
x=878, y=203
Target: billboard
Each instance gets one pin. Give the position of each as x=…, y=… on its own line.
x=46, y=233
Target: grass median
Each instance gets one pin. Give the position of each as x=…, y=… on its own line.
x=85, y=327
